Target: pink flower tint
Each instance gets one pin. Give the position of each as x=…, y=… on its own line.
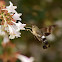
x=24, y=58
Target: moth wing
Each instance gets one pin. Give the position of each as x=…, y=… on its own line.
x=48, y=30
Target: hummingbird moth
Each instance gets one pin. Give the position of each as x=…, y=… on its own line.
x=41, y=33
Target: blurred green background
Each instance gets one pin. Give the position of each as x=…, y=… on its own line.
x=41, y=13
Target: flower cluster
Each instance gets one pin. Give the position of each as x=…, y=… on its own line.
x=9, y=29
x=8, y=25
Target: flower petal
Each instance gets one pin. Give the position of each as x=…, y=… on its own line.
x=16, y=16
x=6, y=39
x=11, y=8
x=24, y=58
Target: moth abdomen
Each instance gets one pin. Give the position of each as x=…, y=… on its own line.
x=46, y=45
x=45, y=42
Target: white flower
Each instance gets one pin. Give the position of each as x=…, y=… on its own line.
x=11, y=8
x=14, y=29
x=16, y=34
x=24, y=58
x=20, y=26
x=13, y=32
x=16, y=16
x=5, y=39
x=3, y=33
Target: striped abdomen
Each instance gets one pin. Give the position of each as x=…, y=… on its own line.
x=46, y=44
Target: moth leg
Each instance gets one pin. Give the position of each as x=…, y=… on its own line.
x=39, y=38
